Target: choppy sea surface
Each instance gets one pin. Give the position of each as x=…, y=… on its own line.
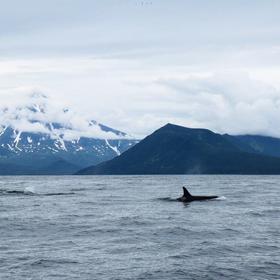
x=131, y=227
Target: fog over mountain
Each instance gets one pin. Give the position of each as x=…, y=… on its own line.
x=38, y=136
x=37, y=113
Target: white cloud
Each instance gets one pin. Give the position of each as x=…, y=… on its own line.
x=119, y=94
x=136, y=67
x=38, y=113
x=228, y=103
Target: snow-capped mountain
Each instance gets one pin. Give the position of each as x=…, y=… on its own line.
x=40, y=138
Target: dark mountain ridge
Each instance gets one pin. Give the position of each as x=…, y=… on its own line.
x=173, y=149
x=265, y=145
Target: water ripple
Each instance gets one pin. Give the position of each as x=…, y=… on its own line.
x=118, y=227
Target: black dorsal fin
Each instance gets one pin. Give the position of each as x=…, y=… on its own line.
x=186, y=193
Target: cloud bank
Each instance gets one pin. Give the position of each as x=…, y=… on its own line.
x=136, y=65
x=37, y=113
x=227, y=103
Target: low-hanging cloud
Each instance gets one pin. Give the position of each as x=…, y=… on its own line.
x=38, y=113
x=228, y=102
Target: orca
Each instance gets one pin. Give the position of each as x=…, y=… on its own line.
x=187, y=197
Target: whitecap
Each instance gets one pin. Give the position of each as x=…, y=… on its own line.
x=221, y=198
x=29, y=190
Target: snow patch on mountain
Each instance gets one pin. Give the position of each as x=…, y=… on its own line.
x=114, y=148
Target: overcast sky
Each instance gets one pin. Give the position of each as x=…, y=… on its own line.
x=136, y=65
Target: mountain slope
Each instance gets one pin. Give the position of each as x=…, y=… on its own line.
x=39, y=138
x=178, y=150
x=264, y=145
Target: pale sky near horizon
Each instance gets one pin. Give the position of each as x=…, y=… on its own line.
x=136, y=65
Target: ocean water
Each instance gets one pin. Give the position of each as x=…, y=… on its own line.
x=131, y=227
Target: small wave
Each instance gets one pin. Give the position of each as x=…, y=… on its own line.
x=166, y=199
x=255, y=213
x=78, y=189
x=229, y=230
x=179, y=256
x=133, y=220
x=13, y=192
x=271, y=211
x=262, y=213
x=221, y=198
x=30, y=191
x=174, y=230
x=51, y=262
x=52, y=194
